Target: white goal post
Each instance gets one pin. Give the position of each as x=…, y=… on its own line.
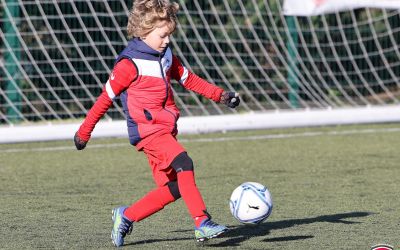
x=336, y=68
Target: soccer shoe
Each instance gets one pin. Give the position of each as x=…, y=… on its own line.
x=208, y=229
x=122, y=226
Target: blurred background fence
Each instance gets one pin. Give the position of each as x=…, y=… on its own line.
x=55, y=56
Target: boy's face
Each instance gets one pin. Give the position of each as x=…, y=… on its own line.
x=158, y=39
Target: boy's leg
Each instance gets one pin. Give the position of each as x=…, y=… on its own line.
x=205, y=228
x=167, y=157
x=153, y=202
x=183, y=165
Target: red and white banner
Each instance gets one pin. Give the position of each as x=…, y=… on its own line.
x=317, y=7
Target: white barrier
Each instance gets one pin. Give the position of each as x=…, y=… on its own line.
x=207, y=124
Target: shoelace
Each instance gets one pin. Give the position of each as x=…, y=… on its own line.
x=125, y=227
x=211, y=223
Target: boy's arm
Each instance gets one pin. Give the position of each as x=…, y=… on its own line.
x=123, y=74
x=193, y=82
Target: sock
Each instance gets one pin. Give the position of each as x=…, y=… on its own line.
x=151, y=203
x=191, y=196
x=198, y=220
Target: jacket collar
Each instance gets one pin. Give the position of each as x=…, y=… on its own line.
x=142, y=47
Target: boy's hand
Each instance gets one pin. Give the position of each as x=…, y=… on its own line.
x=230, y=99
x=79, y=142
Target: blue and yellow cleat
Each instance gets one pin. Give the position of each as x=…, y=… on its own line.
x=208, y=229
x=122, y=226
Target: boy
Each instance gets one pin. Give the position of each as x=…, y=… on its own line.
x=141, y=77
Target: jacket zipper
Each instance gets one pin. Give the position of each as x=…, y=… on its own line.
x=165, y=81
x=166, y=88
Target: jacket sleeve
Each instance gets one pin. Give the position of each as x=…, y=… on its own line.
x=191, y=81
x=123, y=74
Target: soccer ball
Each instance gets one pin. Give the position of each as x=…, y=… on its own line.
x=251, y=203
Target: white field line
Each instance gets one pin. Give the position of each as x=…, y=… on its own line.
x=218, y=139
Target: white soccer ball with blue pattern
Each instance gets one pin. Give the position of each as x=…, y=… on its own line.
x=251, y=203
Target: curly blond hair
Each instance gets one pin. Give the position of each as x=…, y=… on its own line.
x=146, y=14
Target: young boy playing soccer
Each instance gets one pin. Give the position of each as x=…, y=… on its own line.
x=142, y=78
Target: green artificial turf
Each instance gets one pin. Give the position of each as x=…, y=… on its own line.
x=332, y=188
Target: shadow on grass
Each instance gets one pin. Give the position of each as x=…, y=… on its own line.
x=288, y=238
x=241, y=233
x=143, y=242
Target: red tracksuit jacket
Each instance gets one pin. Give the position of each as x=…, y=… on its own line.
x=142, y=78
